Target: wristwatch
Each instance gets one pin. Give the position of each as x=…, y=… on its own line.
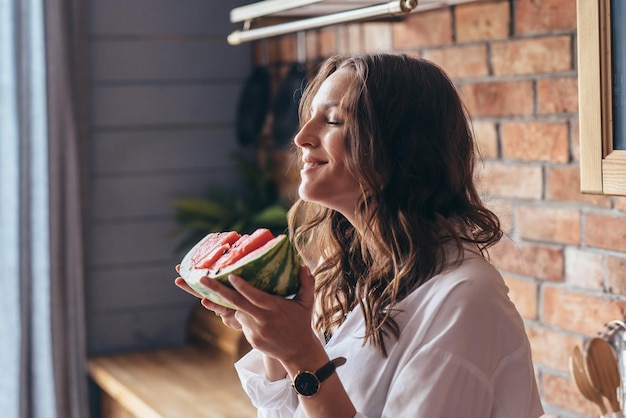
x=308, y=383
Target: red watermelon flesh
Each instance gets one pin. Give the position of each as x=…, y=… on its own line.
x=273, y=267
x=243, y=246
x=251, y=255
x=213, y=247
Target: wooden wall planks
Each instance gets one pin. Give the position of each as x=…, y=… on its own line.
x=164, y=89
x=159, y=17
x=170, y=149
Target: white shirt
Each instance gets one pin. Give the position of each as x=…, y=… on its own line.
x=462, y=352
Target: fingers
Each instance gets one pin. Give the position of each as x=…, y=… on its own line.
x=248, y=298
x=219, y=310
x=227, y=314
x=257, y=297
x=307, y=287
x=181, y=283
x=233, y=297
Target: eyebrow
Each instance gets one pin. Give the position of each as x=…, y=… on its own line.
x=325, y=106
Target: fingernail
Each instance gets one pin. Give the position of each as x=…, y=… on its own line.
x=232, y=278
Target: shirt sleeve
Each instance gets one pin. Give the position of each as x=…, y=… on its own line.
x=272, y=399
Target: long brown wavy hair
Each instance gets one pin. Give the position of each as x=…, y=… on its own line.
x=410, y=145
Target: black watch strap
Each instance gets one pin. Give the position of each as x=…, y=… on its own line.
x=328, y=369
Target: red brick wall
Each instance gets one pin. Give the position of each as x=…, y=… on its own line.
x=515, y=65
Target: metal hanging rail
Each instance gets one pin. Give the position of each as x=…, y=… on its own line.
x=392, y=8
x=267, y=7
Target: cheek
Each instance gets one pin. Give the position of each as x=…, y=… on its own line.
x=337, y=152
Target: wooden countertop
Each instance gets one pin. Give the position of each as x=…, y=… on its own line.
x=185, y=382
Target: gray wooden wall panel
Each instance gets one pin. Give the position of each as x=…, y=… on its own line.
x=164, y=89
x=137, y=328
x=161, y=17
x=132, y=243
x=125, y=151
x=123, y=198
x=142, y=284
x=144, y=60
x=164, y=104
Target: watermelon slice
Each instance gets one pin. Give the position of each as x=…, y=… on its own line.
x=267, y=262
x=243, y=246
x=212, y=248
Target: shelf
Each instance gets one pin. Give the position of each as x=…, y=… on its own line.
x=310, y=8
x=296, y=8
x=302, y=15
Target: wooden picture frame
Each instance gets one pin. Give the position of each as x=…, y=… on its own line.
x=602, y=167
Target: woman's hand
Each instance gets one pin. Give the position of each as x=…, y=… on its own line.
x=279, y=327
x=227, y=315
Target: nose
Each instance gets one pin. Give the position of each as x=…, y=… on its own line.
x=306, y=136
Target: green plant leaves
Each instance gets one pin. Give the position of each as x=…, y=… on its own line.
x=202, y=207
x=272, y=216
x=259, y=207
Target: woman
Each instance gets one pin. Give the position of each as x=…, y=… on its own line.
x=394, y=232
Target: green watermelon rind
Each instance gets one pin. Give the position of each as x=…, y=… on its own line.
x=261, y=272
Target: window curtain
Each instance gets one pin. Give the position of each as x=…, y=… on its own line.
x=42, y=137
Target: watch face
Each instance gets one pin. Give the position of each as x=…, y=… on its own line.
x=306, y=384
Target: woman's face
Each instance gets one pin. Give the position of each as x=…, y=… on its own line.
x=325, y=178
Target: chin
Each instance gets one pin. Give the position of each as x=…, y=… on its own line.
x=304, y=194
x=309, y=197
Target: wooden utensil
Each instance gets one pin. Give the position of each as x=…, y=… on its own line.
x=577, y=370
x=601, y=368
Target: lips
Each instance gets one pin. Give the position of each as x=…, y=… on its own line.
x=310, y=162
x=308, y=165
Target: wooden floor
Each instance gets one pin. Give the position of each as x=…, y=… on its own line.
x=186, y=382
